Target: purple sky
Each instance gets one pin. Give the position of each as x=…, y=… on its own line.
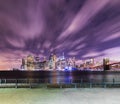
x=80, y=28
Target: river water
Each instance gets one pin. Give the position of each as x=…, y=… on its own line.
x=63, y=76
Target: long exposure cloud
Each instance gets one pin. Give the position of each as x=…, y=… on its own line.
x=79, y=28
x=85, y=14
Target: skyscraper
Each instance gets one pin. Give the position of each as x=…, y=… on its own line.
x=30, y=62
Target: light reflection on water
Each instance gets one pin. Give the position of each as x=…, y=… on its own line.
x=58, y=77
x=62, y=76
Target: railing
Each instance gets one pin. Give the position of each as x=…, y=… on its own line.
x=79, y=83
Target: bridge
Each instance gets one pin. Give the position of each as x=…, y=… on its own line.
x=110, y=65
x=114, y=63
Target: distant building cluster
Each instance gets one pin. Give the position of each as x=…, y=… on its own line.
x=55, y=62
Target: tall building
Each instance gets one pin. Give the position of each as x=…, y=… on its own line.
x=30, y=62
x=52, y=61
x=24, y=64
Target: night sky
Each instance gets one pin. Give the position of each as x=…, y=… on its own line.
x=79, y=28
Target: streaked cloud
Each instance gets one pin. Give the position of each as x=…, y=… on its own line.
x=80, y=28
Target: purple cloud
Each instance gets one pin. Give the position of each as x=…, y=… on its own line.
x=80, y=28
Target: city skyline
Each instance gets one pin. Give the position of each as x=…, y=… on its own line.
x=81, y=28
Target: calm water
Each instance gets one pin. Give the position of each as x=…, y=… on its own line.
x=78, y=76
x=62, y=77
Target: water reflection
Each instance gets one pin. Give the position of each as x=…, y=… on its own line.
x=68, y=77
x=60, y=77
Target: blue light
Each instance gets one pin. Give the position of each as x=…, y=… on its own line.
x=68, y=68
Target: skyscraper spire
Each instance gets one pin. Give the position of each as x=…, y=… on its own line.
x=63, y=57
